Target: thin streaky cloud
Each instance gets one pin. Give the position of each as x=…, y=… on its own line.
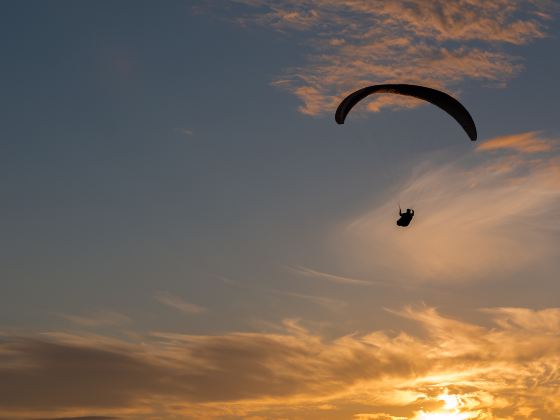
x=546, y=320
x=226, y=280
x=529, y=142
x=176, y=302
x=320, y=300
x=333, y=278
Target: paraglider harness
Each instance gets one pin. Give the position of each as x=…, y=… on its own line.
x=405, y=218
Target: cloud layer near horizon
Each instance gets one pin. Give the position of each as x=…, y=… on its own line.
x=432, y=42
x=495, y=372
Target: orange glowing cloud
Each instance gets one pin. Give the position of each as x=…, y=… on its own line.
x=357, y=43
x=530, y=142
x=453, y=368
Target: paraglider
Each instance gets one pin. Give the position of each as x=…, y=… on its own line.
x=436, y=97
x=405, y=218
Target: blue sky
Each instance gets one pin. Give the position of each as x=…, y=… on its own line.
x=175, y=170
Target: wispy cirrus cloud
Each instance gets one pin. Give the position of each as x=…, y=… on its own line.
x=433, y=42
x=333, y=278
x=452, y=366
x=512, y=318
x=530, y=142
x=483, y=215
x=329, y=303
x=178, y=303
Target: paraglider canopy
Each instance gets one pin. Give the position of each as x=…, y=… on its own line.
x=440, y=99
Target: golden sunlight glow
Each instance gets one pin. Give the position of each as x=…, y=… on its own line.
x=451, y=401
x=450, y=411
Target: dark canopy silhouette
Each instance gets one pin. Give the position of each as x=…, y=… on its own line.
x=440, y=99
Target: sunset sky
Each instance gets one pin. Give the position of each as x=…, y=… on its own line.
x=188, y=234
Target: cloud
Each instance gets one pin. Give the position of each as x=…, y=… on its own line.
x=434, y=42
x=50, y=375
x=477, y=217
x=530, y=142
x=545, y=321
x=178, y=303
x=449, y=366
x=333, y=278
x=226, y=280
x=98, y=318
x=329, y=303
x=82, y=418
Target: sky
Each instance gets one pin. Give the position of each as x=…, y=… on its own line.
x=188, y=234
